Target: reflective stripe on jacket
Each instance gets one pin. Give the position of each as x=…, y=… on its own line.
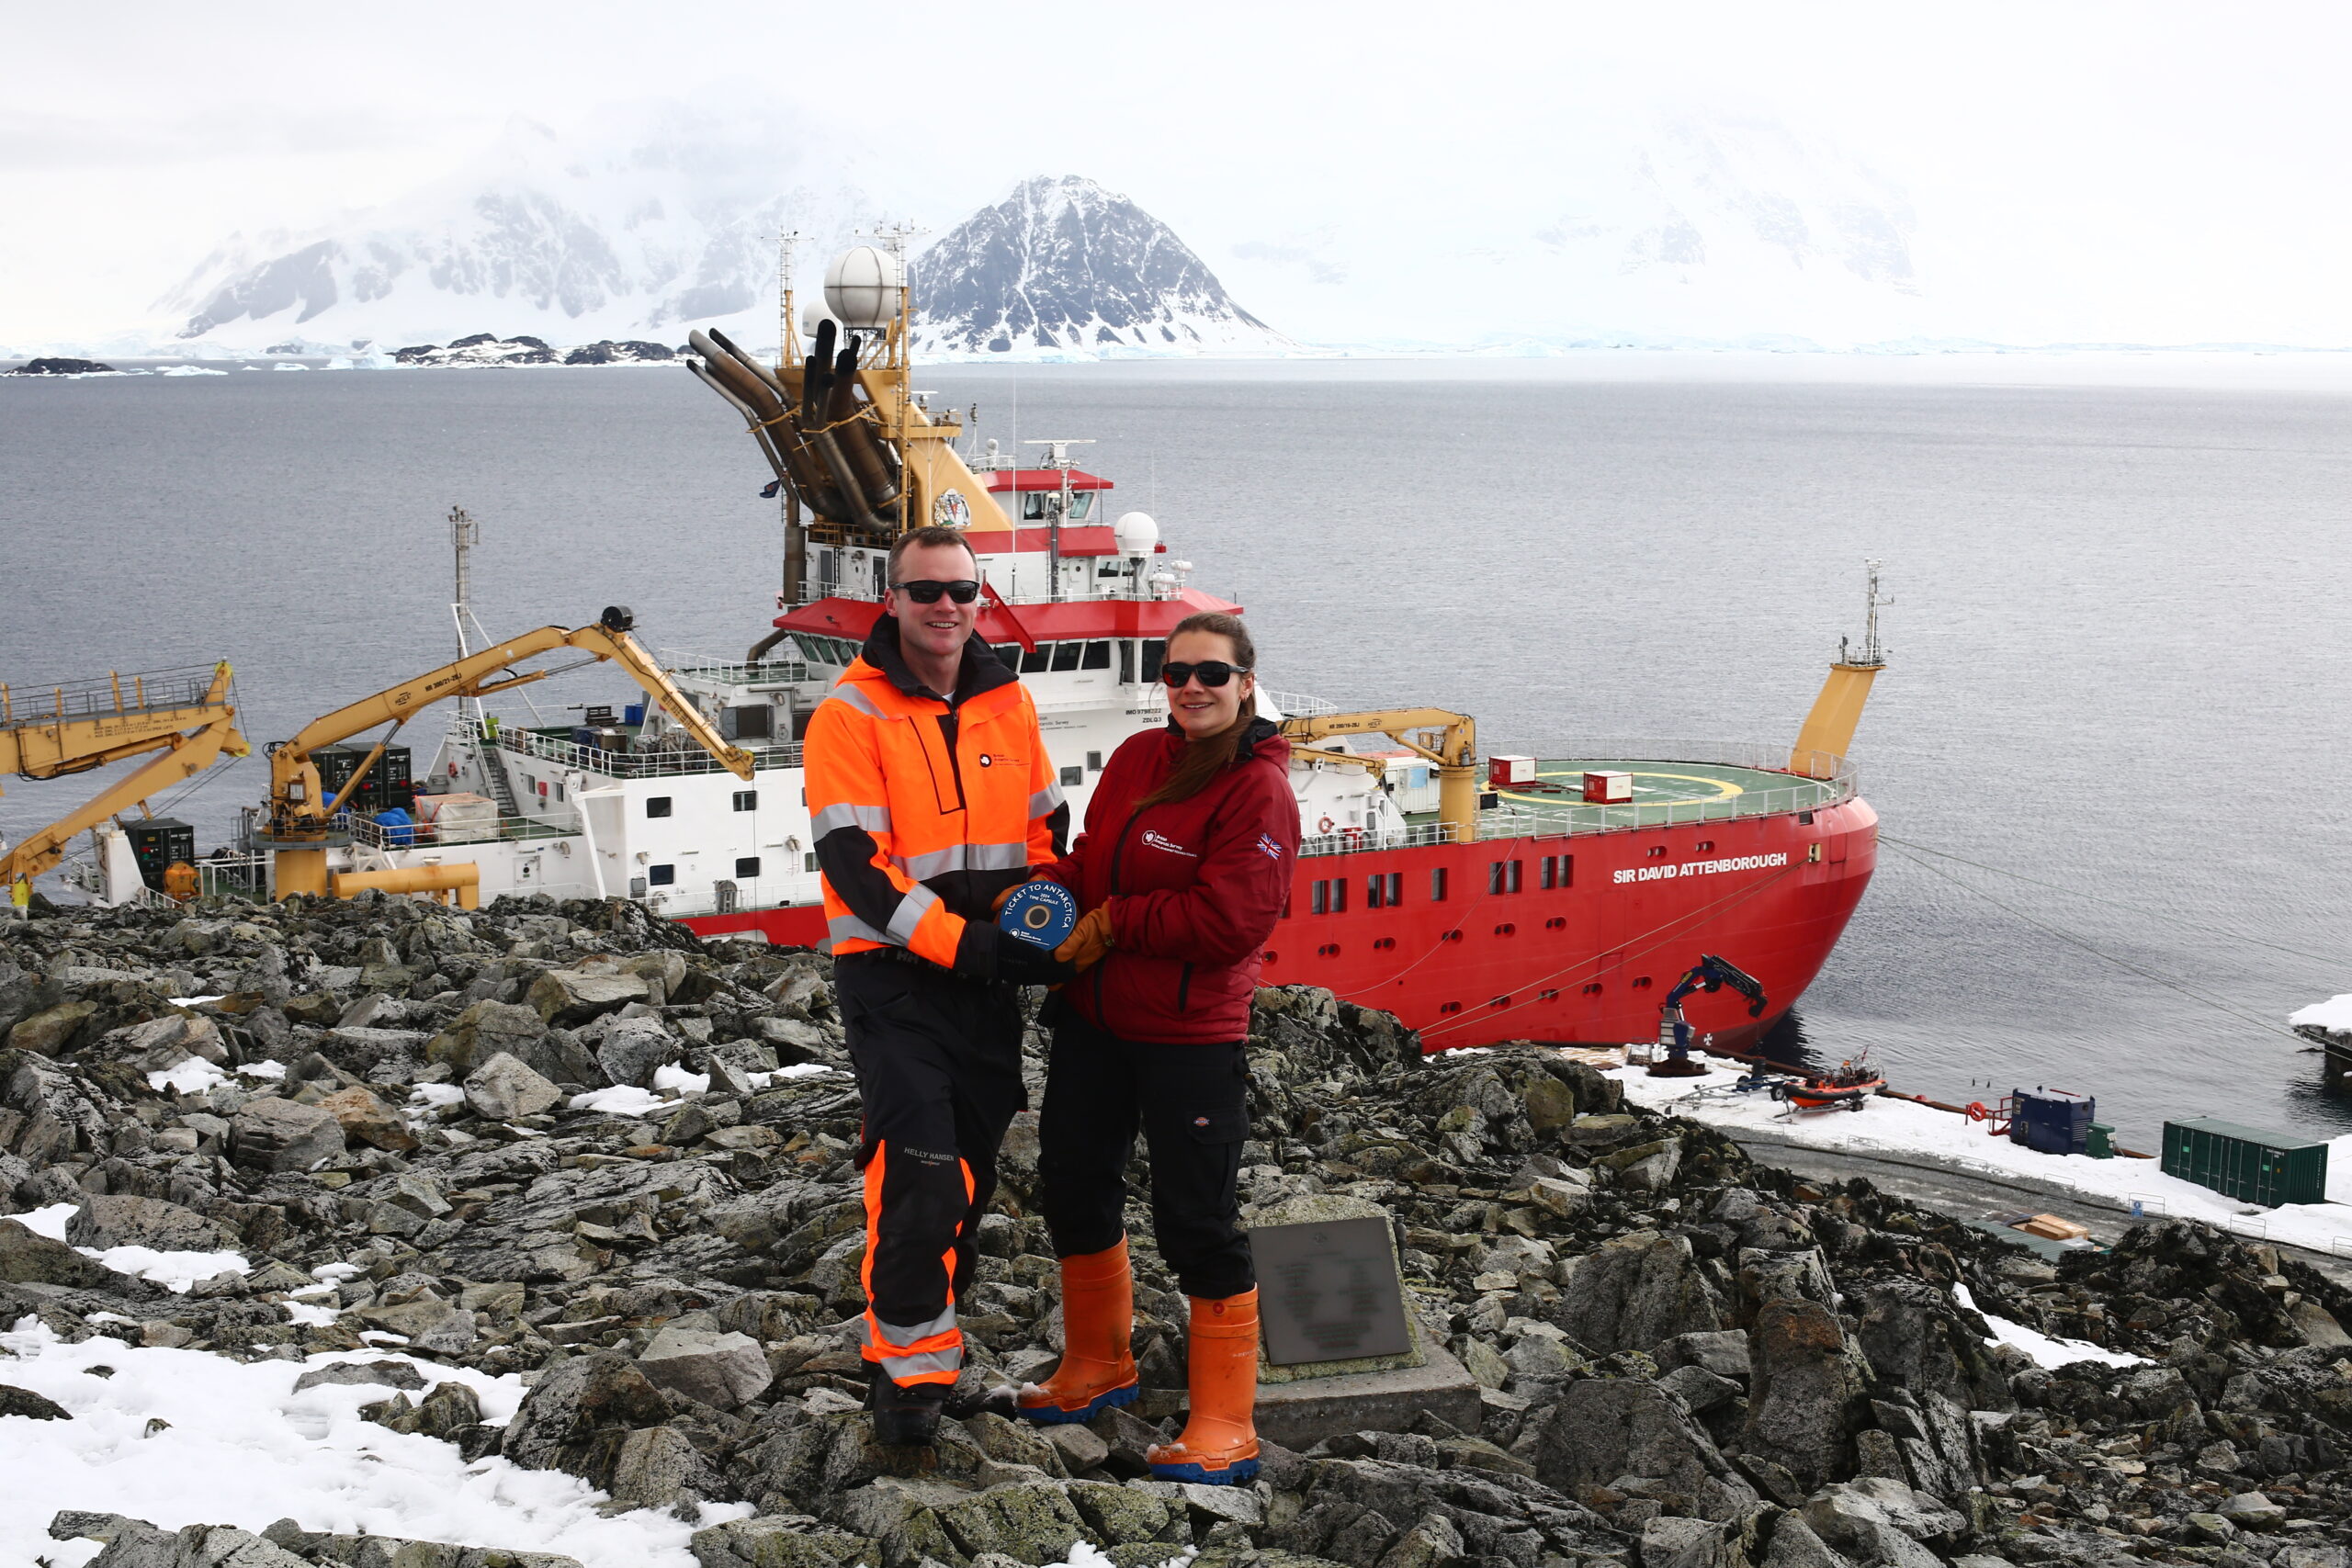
x=925, y=810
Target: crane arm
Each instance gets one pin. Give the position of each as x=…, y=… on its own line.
x=1456, y=752
x=1377, y=766
x=184, y=757
x=39, y=741
x=294, y=779
x=1712, y=974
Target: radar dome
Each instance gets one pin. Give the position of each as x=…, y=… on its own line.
x=1136, y=534
x=862, y=286
x=814, y=317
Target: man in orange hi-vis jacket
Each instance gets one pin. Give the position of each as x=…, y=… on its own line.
x=931, y=796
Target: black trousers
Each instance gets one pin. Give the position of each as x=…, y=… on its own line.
x=938, y=1063
x=1190, y=1102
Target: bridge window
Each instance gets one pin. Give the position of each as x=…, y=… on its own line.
x=1067, y=654
x=747, y=866
x=661, y=876
x=1009, y=655
x=657, y=806
x=1098, y=656
x=1038, y=660
x=1154, y=650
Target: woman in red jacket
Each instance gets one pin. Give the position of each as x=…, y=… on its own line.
x=1182, y=872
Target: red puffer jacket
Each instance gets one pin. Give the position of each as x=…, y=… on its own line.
x=1195, y=887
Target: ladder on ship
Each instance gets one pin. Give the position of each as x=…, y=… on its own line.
x=493, y=767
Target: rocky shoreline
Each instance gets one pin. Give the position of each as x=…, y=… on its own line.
x=576, y=1144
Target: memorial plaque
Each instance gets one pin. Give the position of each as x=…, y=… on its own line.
x=1328, y=1292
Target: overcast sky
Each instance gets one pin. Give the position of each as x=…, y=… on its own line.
x=2178, y=167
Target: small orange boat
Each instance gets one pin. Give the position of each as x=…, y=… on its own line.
x=1854, y=1082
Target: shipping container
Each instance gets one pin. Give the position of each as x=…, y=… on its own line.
x=2051, y=1121
x=2246, y=1163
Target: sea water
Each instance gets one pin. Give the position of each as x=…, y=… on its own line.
x=2121, y=647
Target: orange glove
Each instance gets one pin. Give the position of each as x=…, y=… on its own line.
x=1084, y=947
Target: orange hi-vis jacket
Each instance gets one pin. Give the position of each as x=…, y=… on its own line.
x=923, y=809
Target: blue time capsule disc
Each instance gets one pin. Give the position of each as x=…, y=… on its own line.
x=1040, y=912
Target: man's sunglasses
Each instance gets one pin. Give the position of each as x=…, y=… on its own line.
x=926, y=591
x=1213, y=673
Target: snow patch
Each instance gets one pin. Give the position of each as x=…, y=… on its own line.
x=677, y=1080
x=621, y=1100
x=192, y=1076
x=2045, y=1351
x=2333, y=1015
x=174, y=1270
x=242, y=1449
x=262, y=1070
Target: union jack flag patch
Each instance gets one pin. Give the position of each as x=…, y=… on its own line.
x=1272, y=849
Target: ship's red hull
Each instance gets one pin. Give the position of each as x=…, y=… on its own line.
x=1584, y=960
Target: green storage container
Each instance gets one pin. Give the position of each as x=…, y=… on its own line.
x=2102, y=1143
x=2245, y=1162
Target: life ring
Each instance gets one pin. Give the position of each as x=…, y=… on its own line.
x=1325, y=825
x=1977, y=1110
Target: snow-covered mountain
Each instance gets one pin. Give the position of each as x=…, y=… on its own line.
x=653, y=218
x=655, y=222
x=1063, y=265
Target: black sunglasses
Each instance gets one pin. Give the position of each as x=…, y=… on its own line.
x=925, y=591
x=1213, y=672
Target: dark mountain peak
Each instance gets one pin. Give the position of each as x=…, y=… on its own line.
x=1064, y=266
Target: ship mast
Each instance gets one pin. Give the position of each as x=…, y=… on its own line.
x=1829, y=730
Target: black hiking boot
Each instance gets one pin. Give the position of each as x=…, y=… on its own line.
x=903, y=1417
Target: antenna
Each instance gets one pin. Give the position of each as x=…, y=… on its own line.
x=787, y=346
x=464, y=534
x=1057, y=456
x=1873, y=655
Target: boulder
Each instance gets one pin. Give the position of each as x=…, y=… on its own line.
x=633, y=1047
x=567, y=998
x=32, y=1407
x=1808, y=1394
x=26, y=1258
x=1689, y=1543
x=385, y=1374
x=368, y=1120
x=1883, y=1522
x=114, y=1219
x=2252, y=1511
x=779, y=1540
x=482, y=1030
x=722, y=1370
x=503, y=1088
x=53, y=1030
x=1605, y=1427
x=1916, y=1336
x=1721, y=1351
x=283, y=1135
x=658, y=1467
x=1635, y=1290
x=578, y=1415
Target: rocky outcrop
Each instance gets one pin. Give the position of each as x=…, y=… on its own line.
x=1684, y=1359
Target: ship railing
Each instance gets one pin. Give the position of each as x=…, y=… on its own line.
x=109, y=694
x=735, y=672
x=434, y=835
x=1298, y=705
x=664, y=762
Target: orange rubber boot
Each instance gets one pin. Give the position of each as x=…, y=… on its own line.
x=1098, y=1368
x=1220, y=1444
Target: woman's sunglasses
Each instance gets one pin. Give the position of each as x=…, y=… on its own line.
x=926, y=591
x=1213, y=673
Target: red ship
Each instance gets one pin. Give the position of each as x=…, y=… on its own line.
x=1479, y=898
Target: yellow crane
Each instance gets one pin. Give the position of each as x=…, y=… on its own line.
x=1449, y=740
x=49, y=732
x=301, y=817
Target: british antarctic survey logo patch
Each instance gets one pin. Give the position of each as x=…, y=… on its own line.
x=1153, y=837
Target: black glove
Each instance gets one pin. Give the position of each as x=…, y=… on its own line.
x=987, y=952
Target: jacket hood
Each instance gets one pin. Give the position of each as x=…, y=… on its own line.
x=1265, y=738
x=981, y=670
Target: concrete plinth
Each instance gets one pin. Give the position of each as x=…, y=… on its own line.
x=1300, y=1415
